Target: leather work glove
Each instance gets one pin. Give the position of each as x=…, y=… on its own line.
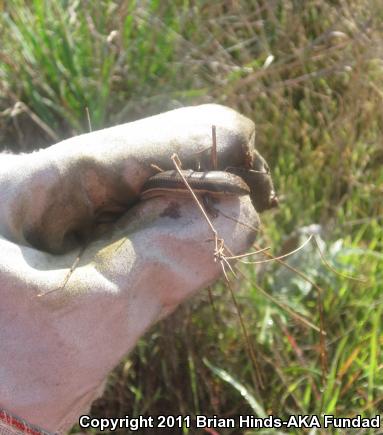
x=63, y=328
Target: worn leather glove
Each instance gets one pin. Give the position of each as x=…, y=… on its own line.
x=62, y=331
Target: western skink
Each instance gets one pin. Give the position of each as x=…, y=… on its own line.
x=216, y=183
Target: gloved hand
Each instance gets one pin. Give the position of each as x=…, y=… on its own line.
x=61, y=332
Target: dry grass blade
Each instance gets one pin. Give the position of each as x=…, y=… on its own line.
x=322, y=344
x=217, y=241
x=88, y=118
x=288, y=310
x=343, y=275
x=293, y=314
x=237, y=257
x=68, y=275
x=248, y=342
x=281, y=257
x=219, y=255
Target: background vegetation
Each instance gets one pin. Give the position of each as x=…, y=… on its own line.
x=310, y=74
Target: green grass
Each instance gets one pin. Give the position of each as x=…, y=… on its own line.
x=310, y=74
x=63, y=57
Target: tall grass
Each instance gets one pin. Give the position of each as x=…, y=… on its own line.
x=63, y=57
x=310, y=74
